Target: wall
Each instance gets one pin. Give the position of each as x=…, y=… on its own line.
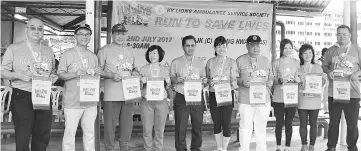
x=5, y=34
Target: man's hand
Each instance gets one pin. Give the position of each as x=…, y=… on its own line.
x=354, y=76
x=23, y=76
x=98, y=70
x=80, y=73
x=116, y=77
x=331, y=75
x=180, y=79
x=246, y=83
x=144, y=80
x=167, y=80
x=53, y=78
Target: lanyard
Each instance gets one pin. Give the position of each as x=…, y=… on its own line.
x=81, y=57
x=253, y=65
x=157, y=69
x=35, y=54
x=189, y=68
x=220, y=73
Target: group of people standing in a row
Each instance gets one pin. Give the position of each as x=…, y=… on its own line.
x=114, y=62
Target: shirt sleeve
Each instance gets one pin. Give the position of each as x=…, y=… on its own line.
x=327, y=59
x=101, y=59
x=208, y=71
x=63, y=63
x=234, y=69
x=173, y=69
x=8, y=59
x=203, y=72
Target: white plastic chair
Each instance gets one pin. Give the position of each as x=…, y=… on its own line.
x=56, y=92
x=6, y=93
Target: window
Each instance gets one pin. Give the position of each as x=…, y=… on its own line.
x=301, y=23
x=301, y=33
x=309, y=42
x=309, y=33
x=327, y=34
x=290, y=22
x=327, y=43
x=317, y=43
x=318, y=24
x=278, y=32
x=309, y=23
x=328, y=24
x=290, y=32
x=301, y=42
x=317, y=34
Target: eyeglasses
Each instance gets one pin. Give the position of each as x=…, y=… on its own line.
x=120, y=33
x=34, y=28
x=84, y=35
x=190, y=46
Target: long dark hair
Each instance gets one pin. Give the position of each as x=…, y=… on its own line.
x=283, y=43
x=303, y=49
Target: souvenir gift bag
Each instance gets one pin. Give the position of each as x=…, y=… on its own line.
x=257, y=93
x=41, y=91
x=89, y=90
x=290, y=94
x=341, y=90
x=223, y=94
x=193, y=92
x=131, y=89
x=313, y=84
x=155, y=89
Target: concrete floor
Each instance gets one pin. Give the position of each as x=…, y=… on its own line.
x=208, y=142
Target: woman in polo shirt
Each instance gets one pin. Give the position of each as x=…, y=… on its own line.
x=221, y=69
x=284, y=71
x=154, y=112
x=308, y=105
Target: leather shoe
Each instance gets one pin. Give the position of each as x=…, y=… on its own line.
x=331, y=149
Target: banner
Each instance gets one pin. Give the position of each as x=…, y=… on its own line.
x=89, y=89
x=257, y=93
x=290, y=94
x=223, y=94
x=313, y=84
x=193, y=92
x=165, y=23
x=155, y=90
x=341, y=90
x=40, y=93
x=131, y=88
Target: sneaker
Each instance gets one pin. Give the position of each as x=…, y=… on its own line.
x=287, y=149
x=311, y=148
x=304, y=148
x=278, y=148
x=331, y=149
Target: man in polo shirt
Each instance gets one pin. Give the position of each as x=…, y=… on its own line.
x=21, y=61
x=343, y=62
x=117, y=61
x=253, y=67
x=184, y=68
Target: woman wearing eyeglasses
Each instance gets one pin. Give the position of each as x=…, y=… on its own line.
x=309, y=104
x=285, y=71
x=154, y=106
x=221, y=70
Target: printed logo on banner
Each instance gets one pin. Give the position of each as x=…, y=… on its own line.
x=136, y=14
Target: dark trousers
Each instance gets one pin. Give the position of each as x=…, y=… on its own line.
x=351, y=111
x=305, y=117
x=181, y=115
x=284, y=116
x=29, y=122
x=221, y=116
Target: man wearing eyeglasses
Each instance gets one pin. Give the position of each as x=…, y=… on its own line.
x=187, y=67
x=21, y=62
x=117, y=62
x=75, y=62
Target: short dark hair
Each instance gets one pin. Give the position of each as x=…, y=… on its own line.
x=220, y=40
x=283, y=43
x=323, y=51
x=188, y=37
x=161, y=52
x=344, y=26
x=304, y=48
